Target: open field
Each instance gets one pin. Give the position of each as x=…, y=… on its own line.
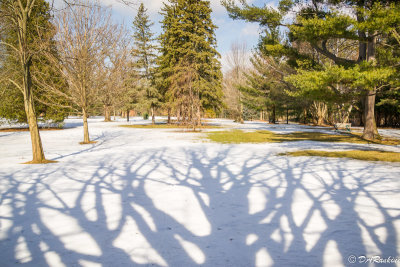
x=159, y=197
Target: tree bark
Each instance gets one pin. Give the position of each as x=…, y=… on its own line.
x=127, y=115
x=26, y=61
x=86, y=139
x=241, y=120
x=198, y=115
x=367, y=51
x=169, y=116
x=153, y=118
x=37, y=148
x=107, y=113
x=273, y=114
x=287, y=115
x=370, y=129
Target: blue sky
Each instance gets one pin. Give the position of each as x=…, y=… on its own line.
x=228, y=32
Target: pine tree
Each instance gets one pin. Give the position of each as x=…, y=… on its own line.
x=188, y=65
x=318, y=23
x=144, y=54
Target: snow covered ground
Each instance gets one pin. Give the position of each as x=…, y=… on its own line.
x=158, y=197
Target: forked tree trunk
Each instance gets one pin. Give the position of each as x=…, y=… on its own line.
x=319, y=112
x=86, y=139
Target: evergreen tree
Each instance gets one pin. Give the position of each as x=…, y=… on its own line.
x=144, y=54
x=47, y=105
x=317, y=24
x=188, y=65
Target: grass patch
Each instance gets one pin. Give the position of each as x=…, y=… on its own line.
x=166, y=126
x=353, y=154
x=238, y=136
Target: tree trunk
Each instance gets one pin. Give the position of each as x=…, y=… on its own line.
x=37, y=148
x=241, y=120
x=127, y=115
x=153, y=118
x=169, y=116
x=370, y=129
x=178, y=114
x=287, y=115
x=107, y=114
x=198, y=116
x=273, y=114
x=86, y=139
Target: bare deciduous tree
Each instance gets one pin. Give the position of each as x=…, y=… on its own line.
x=116, y=73
x=84, y=42
x=15, y=15
x=237, y=60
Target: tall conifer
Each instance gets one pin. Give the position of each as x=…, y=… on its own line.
x=144, y=54
x=189, y=64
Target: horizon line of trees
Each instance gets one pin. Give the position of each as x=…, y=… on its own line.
x=314, y=62
x=78, y=60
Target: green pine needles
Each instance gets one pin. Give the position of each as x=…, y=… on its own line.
x=144, y=55
x=189, y=70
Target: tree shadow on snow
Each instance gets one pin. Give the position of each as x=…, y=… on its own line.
x=193, y=207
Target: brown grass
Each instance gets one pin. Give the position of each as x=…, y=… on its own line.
x=353, y=154
x=238, y=136
x=168, y=126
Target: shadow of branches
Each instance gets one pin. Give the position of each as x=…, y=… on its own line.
x=198, y=206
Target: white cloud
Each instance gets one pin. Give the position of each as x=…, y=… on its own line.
x=251, y=29
x=154, y=6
